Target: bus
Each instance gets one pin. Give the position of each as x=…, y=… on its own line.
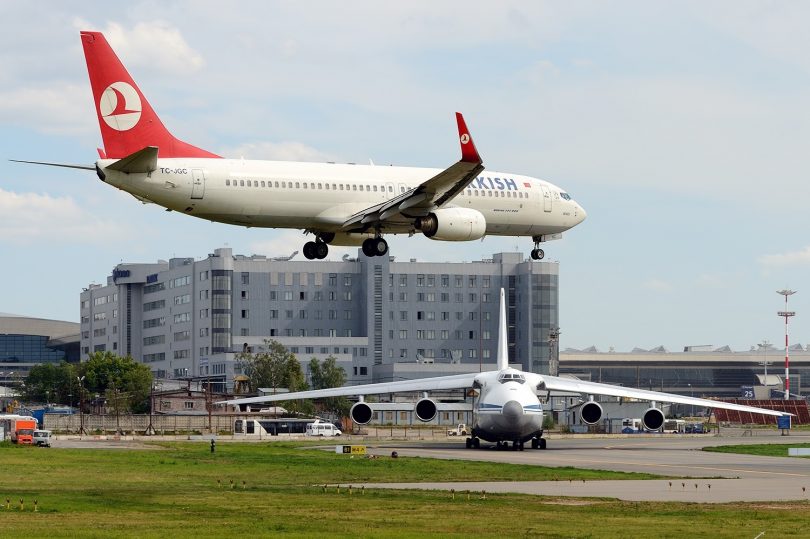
x=674, y=426
x=262, y=428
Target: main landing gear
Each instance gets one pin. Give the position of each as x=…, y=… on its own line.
x=316, y=249
x=473, y=443
x=538, y=443
x=375, y=246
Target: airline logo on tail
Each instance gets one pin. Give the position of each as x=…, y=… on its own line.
x=120, y=106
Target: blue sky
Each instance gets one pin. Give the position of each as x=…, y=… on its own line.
x=682, y=128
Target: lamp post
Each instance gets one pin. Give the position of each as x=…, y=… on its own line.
x=786, y=314
x=81, y=405
x=764, y=347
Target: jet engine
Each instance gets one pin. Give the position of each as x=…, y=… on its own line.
x=652, y=419
x=591, y=412
x=425, y=410
x=453, y=224
x=361, y=413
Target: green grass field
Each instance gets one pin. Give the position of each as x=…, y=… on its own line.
x=765, y=450
x=182, y=490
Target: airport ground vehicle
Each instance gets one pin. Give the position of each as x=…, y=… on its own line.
x=42, y=438
x=20, y=427
x=322, y=429
x=674, y=426
x=460, y=430
x=260, y=428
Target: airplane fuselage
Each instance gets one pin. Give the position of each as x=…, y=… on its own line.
x=506, y=408
x=321, y=196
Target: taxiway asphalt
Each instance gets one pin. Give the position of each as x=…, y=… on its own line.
x=699, y=476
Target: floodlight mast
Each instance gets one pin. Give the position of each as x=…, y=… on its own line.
x=786, y=314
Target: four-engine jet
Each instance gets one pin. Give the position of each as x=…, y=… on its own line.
x=506, y=407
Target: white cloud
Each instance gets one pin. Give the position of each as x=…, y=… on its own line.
x=781, y=260
x=29, y=218
x=154, y=45
x=57, y=108
x=278, y=151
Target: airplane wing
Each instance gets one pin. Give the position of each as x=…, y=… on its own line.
x=399, y=211
x=456, y=381
x=555, y=383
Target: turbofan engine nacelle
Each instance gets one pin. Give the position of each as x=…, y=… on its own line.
x=425, y=410
x=591, y=412
x=453, y=224
x=361, y=413
x=653, y=419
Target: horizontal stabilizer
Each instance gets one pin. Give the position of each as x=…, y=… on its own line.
x=142, y=161
x=64, y=165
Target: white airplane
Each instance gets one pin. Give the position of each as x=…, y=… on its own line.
x=340, y=204
x=506, y=406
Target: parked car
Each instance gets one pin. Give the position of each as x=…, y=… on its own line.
x=42, y=438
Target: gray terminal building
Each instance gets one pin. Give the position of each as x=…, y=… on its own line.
x=378, y=316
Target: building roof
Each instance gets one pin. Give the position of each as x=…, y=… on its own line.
x=14, y=324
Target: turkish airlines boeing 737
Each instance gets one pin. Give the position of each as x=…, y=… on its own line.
x=338, y=204
x=506, y=407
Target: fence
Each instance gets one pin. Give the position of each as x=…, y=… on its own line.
x=165, y=424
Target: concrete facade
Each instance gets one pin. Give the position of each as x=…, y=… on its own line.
x=189, y=317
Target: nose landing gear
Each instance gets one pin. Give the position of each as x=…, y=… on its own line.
x=537, y=253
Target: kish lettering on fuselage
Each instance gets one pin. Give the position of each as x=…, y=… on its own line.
x=505, y=184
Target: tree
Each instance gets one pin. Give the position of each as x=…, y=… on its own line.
x=52, y=383
x=329, y=374
x=273, y=366
x=123, y=378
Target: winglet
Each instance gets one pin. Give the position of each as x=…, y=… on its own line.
x=468, y=152
x=503, y=342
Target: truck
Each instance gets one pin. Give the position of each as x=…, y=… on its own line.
x=21, y=428
x=459, y=430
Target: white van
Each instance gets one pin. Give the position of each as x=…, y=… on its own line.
x=322, y=429
x=42, y=438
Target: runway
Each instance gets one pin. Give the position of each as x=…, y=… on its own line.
x=707, y=477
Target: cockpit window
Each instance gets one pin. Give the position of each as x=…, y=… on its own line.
x=511, y=377
x=565, y=196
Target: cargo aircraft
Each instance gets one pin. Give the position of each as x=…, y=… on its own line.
x=338, y=204
x=506, y=407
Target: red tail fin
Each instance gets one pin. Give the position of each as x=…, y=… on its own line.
x=128, y=122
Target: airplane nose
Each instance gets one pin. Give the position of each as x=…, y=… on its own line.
x=581, y=213
x=512, y=411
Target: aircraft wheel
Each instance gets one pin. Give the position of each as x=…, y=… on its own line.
x=534, y=443
x=476, y=443
x=321, y=250
x=380, y=247
x=538, y=254
x=368, y=247
x=309, y=250
x=542, y=443
x=469, y=443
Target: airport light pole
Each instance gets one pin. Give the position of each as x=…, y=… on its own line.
x=81, y=405
x=786, y=314
x=764, y=347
